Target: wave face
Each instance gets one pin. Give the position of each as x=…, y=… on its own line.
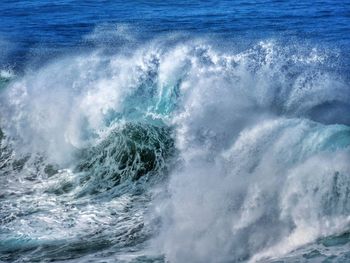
x=177, y=151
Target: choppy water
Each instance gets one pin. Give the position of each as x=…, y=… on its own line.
x=146, y=131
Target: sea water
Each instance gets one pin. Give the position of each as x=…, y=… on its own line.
x=174, y=131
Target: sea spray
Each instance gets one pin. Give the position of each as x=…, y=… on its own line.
x=176, y=151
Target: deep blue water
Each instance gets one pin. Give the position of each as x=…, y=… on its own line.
x=174, y=131
x=44, y=28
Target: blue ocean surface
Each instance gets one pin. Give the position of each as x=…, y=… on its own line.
x=43, y=28
x=174, y=131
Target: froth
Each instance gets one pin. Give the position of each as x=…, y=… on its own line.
x=261, y=137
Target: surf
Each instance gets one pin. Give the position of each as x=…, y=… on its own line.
x=175, y=150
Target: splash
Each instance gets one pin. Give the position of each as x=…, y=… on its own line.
x=177, y=150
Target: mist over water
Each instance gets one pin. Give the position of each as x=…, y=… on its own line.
x=180, y=146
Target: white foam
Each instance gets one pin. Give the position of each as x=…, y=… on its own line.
x=250, y=154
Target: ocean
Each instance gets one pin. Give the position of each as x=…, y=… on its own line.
x=174, y=131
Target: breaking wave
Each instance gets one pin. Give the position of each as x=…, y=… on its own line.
x=176, y=151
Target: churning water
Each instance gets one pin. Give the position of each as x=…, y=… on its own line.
x=188, y=132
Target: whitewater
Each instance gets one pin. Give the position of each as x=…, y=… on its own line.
x=177, y=149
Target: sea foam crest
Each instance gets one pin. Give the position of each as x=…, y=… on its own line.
x=251, y=129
